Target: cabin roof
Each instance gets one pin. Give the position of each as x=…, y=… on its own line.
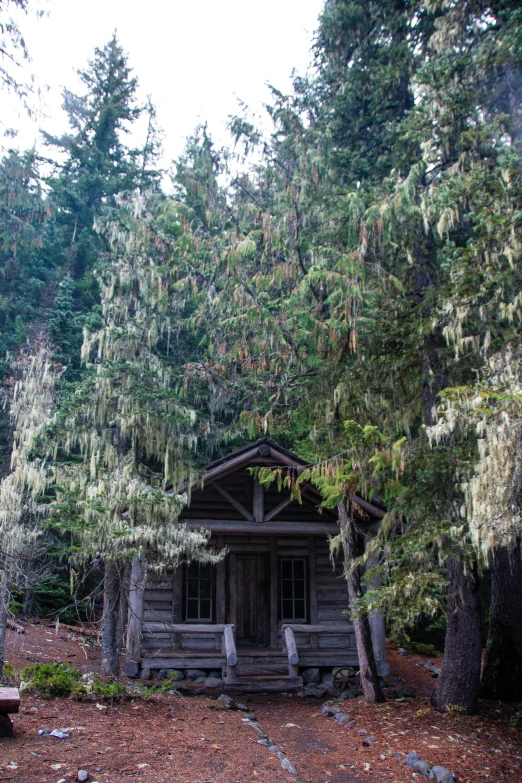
x=268, y=452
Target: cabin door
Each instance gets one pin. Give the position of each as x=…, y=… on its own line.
x=250, y=599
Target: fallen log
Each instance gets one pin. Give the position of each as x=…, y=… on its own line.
x=15, y=627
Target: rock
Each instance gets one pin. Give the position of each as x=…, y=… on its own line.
x=411, y=758
x=361, y=732
x=82, y=776
x=315, y=692
x=43, y=732
x=175, y=674
x=329, y=710
x=401, y=651
x=215, y=674
x=62, y=780
x=145, y=674
x=250, y=716
x=193, y=674
x=383, y=668
x=345, y=695
x=288, y=766
x=256, y=727
x=341, y=718
x=422, y=767
x=327, y=679
x=241, y=706
x=274, y=749
x=351, y=724
x=372, y=739
x=402, y=693
x=213, y=682
x=266, y=742
x=60, y=735
x=442, y=775
x=280, y=755
x=311, y=676
x=228, y=701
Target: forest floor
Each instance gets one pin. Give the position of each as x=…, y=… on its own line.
x=182, y=739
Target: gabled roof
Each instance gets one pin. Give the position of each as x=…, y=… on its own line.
x=265, y=452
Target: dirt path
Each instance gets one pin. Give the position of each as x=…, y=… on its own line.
x=173, y=739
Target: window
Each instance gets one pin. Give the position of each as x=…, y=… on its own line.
x=293, y=590
x=199, y=592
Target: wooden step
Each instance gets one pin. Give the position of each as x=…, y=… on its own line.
x=263, y=684
x=261, y=669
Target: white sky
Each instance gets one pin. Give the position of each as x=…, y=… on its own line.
x=195, y=58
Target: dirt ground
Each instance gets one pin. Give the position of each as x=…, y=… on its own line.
x=182, y=739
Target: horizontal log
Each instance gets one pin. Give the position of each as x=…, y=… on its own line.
x=266, y=528
x=179, y=662
x=323, y=628
x=196, y=628
x=9, y=700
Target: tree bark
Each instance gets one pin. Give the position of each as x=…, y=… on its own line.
x=459, y=680
x=361, y=625
x=502, y=676
x=5, y=594
x=111, y=621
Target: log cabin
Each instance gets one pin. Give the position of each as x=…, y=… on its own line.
x=275, y=604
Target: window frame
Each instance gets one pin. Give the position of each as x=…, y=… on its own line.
x=199, y=599
x=305, y=598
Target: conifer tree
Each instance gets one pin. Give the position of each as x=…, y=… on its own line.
x=131, y=435
x=31, y=411
x=98, y=165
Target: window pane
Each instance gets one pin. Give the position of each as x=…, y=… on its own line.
x=204, y=610
x=299, y=610
x=288, y=613
x=299, y=591
x=286, y=569
x=192, y=588
x=204, y=588
x=192, y=609
x=287, y=589
x=299, y=569
x=204, y=570
x=193, y=570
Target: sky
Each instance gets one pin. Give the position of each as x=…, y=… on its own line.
x=196, y=58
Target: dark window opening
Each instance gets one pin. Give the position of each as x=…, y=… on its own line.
x=199, y=593
x=293, y=590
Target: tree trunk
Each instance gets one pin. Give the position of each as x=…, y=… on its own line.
x=5, y=594
x=363, y=637
x=111, y=621
x=502, y=677
x=459, y=680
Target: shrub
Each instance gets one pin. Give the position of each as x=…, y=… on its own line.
x=50, y=679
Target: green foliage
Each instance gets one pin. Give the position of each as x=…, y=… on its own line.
x=50, y=679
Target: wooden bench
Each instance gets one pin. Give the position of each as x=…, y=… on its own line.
x=9, y=704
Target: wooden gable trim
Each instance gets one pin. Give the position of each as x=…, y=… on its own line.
x=233, y=502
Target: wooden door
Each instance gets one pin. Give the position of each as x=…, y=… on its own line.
x=249, y=593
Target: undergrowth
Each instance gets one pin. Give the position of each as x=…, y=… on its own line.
x=59, y=679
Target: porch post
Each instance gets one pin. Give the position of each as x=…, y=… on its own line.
x=274, y=636
x=220, y=584
x=135, y=611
